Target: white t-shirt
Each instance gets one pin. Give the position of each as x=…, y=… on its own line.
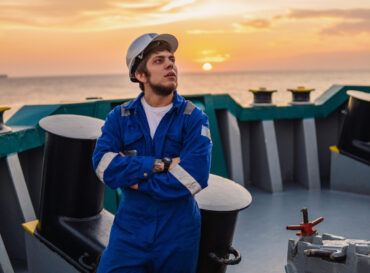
x=154, y=115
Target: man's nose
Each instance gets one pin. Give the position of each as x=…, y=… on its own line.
x=169, y=64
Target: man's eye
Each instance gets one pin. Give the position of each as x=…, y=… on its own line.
x=158, y=61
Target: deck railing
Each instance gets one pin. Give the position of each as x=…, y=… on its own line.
x=267, y=146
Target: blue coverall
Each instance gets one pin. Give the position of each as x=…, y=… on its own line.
x=157, y=227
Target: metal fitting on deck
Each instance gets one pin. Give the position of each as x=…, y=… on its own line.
x=262, y=96
x=3, y=127
x=306, y=227
x=301, y=94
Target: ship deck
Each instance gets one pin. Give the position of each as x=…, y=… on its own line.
x=261, y=235
x=267, y=145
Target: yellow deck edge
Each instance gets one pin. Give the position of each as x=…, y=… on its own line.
x=334, y=149
x=4, y=108
x=30, y=226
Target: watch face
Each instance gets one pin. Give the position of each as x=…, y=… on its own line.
x=167, y=160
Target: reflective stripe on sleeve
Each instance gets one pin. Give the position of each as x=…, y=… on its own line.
x=189, y=108
x=125, y=112
x=206, y=132
x=186, y=179
x=103, y=164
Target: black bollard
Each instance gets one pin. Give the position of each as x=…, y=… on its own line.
x=72, y=220
x=219, y=203
x=3, y=128
x=301, y=94
x=354, y=140
x=262, y=96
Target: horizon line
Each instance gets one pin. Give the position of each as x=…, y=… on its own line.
x=186, y=73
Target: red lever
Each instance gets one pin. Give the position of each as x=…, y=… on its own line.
x=306, y=227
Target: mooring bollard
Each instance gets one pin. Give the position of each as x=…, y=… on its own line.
x=354, y=140
x=219, y=204
x=72, y=222
x=3, y=128
x=262, y=96
x=300, y=94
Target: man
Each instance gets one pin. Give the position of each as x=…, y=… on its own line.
x=156, y=148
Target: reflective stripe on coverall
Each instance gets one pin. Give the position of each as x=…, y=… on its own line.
x=157, y=227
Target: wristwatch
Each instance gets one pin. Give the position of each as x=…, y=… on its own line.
x=167, y=163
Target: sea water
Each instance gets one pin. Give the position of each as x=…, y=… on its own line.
x=17, y=92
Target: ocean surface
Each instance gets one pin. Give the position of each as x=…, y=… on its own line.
x=17, y=92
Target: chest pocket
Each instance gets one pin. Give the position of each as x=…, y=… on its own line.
x=172, y=145
x=133, y=142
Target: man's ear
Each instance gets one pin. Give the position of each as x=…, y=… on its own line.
x=141, y=77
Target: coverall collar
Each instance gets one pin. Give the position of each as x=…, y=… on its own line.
x=177, y=101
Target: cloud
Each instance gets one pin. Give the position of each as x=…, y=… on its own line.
x=245, y=26
x=346, y=21
x=256, y=23
x=350, y=22
x=343, y=22
x=347, y=28
x=87, y=15
x=361, y=14
x=208, y=52
x=176, y=4
x=204, y=31
x=211, y=57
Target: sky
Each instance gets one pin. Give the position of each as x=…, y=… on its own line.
x=79, y=37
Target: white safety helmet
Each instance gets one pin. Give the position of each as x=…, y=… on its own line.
x=138, y=46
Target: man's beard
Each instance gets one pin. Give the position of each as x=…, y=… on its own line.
x=162, y=90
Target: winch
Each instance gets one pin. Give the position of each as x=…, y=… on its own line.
x=325, y=253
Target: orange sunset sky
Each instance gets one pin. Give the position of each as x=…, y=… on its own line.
x=69, y=37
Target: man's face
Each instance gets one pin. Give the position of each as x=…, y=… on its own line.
x=162, y=72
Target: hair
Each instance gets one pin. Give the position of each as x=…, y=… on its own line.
x=153, y=47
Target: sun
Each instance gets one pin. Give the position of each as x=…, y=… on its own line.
x=207, y=67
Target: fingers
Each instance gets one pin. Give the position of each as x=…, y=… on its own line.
x=175, y=161
x=122, y=154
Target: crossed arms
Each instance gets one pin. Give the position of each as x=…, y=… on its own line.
x=184, y=177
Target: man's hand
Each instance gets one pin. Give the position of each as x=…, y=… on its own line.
x=136, y=186
x=174, y=162
x=158, y=166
